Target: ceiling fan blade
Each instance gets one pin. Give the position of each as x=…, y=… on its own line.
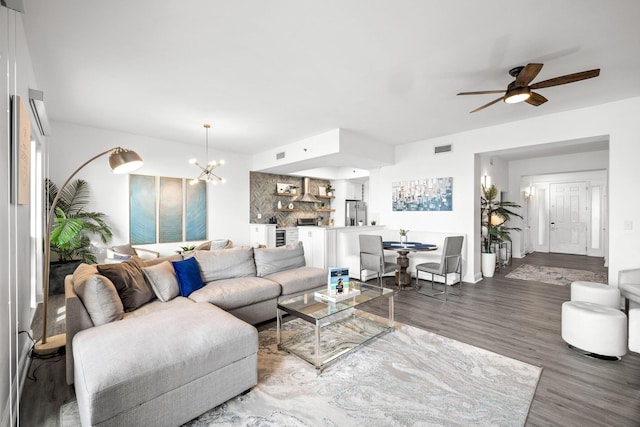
x=528, y=73
x=569, y=78
x=488, y=105
x=536, y=99
x=482, y=92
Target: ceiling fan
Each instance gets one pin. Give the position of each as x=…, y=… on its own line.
x=519, y=90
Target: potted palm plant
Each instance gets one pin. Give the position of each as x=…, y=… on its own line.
x=494, y=216
x=72, y=231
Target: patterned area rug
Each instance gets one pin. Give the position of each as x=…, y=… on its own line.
x=555, y=275
x=403, y=378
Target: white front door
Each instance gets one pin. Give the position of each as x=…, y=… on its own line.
x=568, y=216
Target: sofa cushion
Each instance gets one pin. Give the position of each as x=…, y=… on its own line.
x=129, y=281
x=225, y=263
x=273, y=260
x=163, y=281
x=113, y=376
x=188, y=275
x=300, y=279
x=154, y=261
x=239, y=292
x=98, y=295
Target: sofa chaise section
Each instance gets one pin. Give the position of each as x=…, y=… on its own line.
x=145, y=370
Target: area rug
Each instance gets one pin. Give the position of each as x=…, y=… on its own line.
x=555, y=275
x=406, y=377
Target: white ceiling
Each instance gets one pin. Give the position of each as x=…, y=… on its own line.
x=268, y=73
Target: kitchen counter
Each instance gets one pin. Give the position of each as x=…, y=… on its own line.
x=352, y=228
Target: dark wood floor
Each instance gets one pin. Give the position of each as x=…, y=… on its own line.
x=519, y=319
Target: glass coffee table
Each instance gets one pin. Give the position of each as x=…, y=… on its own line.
x=338, y=327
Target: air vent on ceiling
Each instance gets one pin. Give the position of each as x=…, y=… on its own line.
x=280, y=156
x=442, y=149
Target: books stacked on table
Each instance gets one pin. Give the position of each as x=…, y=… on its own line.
x=337, y=286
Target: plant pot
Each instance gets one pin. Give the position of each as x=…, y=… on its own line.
x=488, y=264
x=57, y=272
x=403, y=239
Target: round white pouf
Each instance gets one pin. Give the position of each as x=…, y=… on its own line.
x=598, y=293
x=634, y=330
x=594, y=328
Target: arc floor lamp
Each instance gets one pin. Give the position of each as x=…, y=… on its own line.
x=121, y=161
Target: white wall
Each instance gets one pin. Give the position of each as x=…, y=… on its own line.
x=15, y=267
x=416, y=160
x=228, y=204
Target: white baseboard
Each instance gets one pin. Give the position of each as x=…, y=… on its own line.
x=10, y=412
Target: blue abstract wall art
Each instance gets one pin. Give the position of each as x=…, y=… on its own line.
x=430, y=194
x=142, y=209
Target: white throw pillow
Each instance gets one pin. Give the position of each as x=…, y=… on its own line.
x=163, y=281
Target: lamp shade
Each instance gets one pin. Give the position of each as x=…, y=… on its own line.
x=122, y=160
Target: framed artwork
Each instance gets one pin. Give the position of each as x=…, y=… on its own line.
x=142, y=209
x=430, y=194
x=170, y=210
x=166, y=210
x=21, y=152
x=196, y=211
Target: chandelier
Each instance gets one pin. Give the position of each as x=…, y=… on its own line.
x=206, y=172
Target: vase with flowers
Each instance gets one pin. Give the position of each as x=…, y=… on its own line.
x=403, y=236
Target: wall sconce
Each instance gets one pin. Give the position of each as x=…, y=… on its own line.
x=486, y=181
x=530, y=192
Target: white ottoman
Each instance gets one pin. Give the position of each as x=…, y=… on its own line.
x=634, y=330
x=598, y=293
x=594, y=328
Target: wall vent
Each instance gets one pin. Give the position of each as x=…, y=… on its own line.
x=280, y=156
x=442, y=149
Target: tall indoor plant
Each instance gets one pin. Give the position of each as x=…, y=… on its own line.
x=72, y=231
x=494, y=216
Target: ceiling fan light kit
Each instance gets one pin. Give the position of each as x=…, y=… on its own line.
x=519, y=90
x=517, y=94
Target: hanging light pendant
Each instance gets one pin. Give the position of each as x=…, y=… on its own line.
x=206, y=173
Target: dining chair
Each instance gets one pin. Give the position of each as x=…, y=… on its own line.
x=372, y=257
x=450, y=262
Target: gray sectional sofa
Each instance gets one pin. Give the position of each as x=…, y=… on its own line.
x=142, y=353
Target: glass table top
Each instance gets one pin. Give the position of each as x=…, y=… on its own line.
x=312, y=308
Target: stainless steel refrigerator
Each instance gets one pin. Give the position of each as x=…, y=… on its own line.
x=355, y=213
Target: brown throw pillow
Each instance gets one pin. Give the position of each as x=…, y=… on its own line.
x=129, y=281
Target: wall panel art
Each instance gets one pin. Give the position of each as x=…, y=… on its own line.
x=430, y=194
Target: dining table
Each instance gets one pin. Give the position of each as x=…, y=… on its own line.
x=403, y=277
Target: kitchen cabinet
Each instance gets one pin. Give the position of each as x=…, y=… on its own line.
x=263, y=234
x=291, y=235
x=319, y=246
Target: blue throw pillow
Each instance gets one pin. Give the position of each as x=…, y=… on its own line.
x=188, y=275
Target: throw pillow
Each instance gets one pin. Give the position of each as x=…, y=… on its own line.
x=273, y=260
x=188, y=275
x=204, y=246
x=162, y=279
x=225, y=263
x=129, y=281
x=219, y=244
x=98, y=295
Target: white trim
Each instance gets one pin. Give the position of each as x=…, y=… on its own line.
x=11, y=406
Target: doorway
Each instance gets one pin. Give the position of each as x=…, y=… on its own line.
x=566, y=213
